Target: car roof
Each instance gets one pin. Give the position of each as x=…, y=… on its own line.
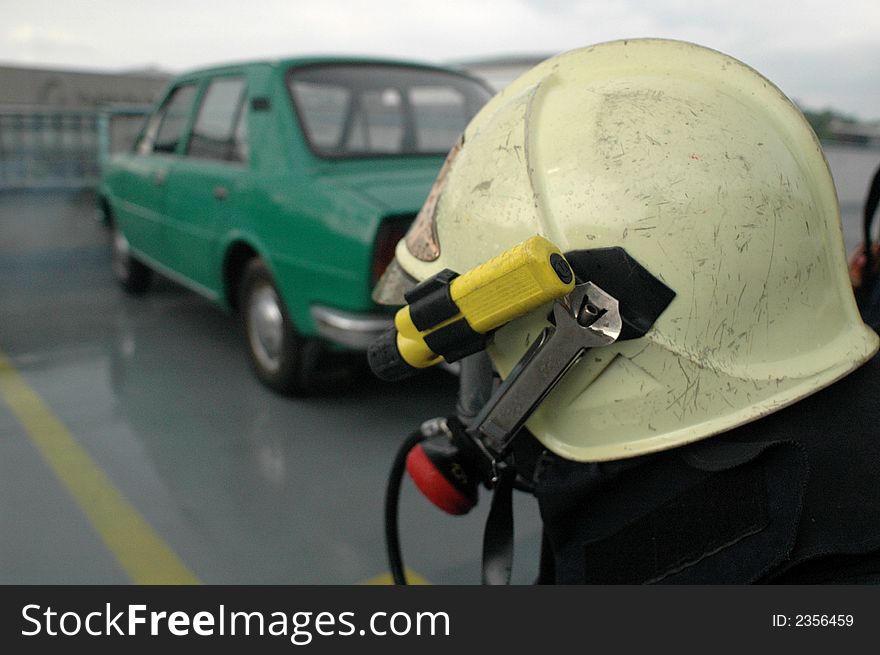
x=313, y=60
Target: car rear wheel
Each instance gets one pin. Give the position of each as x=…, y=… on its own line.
x=133, y=275
x=282, y=358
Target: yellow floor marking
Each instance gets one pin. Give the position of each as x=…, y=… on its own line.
x=141, y=552
x=412, y=578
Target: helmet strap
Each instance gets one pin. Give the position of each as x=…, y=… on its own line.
x=498, y=537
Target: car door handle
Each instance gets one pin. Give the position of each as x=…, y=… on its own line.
x=159, y=177
x=220, y=192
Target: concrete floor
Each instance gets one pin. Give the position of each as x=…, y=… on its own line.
x=136, y=445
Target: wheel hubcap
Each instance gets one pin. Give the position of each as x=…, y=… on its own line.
x=121, y=252
x=266, y=327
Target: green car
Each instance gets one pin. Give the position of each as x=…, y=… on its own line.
x=279, y=189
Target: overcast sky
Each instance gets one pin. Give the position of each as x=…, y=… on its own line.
x=822, y=53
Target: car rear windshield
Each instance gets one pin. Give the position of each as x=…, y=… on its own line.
x=380, y=110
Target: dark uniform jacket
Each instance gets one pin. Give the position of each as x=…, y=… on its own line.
x=791, y=498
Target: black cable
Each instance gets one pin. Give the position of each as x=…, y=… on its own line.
x=392, y=499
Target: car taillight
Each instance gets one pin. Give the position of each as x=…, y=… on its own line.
x=390, y=232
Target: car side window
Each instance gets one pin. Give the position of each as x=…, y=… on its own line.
x=166, y=126
x=220, y=130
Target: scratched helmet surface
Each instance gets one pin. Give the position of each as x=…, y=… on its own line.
x=706, y=174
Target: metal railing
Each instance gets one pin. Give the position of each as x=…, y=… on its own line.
x=61, y=148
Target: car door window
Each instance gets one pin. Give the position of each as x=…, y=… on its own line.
x=220, y=130
x=167, y=125
x=242, y=138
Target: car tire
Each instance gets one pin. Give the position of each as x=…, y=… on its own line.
x=133, y=275
x=283, y=359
